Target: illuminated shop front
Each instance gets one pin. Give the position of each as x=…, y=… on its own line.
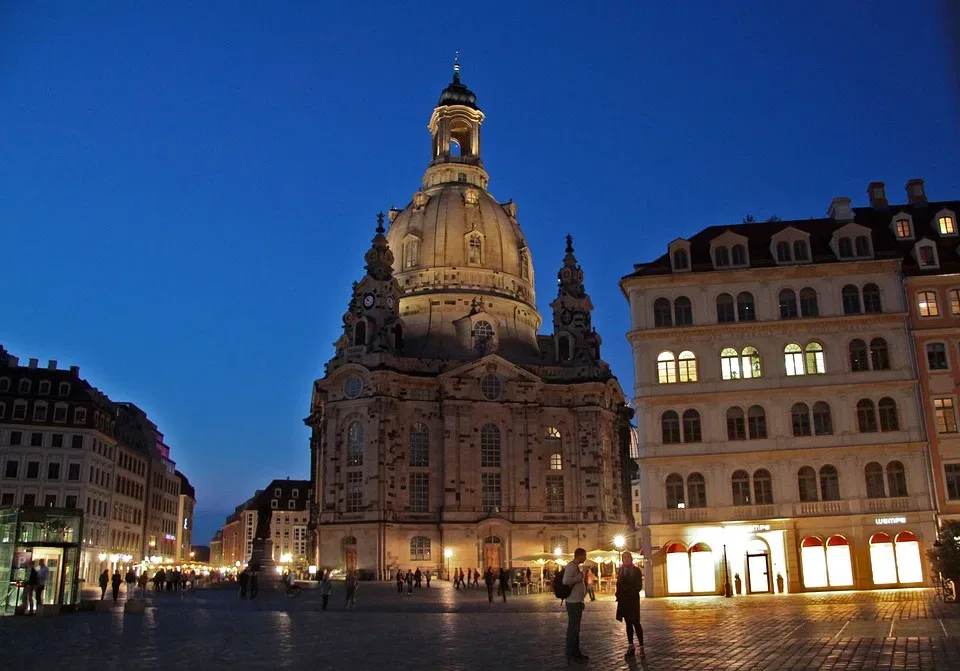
x=691, y=571
x=826, y=564
x=895, y=559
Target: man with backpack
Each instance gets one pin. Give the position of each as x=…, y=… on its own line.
x=568, y=585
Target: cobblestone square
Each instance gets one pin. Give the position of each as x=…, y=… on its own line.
x=442, y=628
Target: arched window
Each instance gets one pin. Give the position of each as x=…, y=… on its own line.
x=829, y=483
x=815, y=361
x=756, y=422
x=687, y=367
x=691, y=426
x=680, y=259
x=807, y=484
x=783, y=251
x=762, y=487
x=553, y=433
x=745, y=307
x=859, y=361
x=873, y=475
x=482, y=334
x=800, y=419
x=419, y=445
x=729, y=364
x=725, y=310
x=360, y=332
x=683, y=311
x=793, y=359
x=721, y=257
x=662, y=313
x=736, y=424
x=822, y=419
x=788, y=304
x=866, y=416
x=862, y=245
x=845, y=247
x=556, y=461
x=808, y=303
x=879, y=354
x=696, y=491
x=871, y=298
x=850, y=296
x=666, y=368
x=411, y=253
x=800, y=250
x=889, y=421
x=563, y=348
x=750, y=362
x=475, y=256
x=355, y=444
x=490, y=446
x=675, y=498
x=670, y=426
x=419, y=548
x=559, y=542
x=896, y=479
x=738, y=255
x=740, y=483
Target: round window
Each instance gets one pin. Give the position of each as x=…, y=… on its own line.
x=491, y=387
x=353, y=386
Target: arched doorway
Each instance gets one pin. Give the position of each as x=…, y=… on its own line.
x=350, y=553
x=678, y=569
x=492, y=552
x=758, y=568
x=702, y=569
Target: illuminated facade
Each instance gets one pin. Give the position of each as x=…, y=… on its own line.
x=289, y=503
x=783, y=443
x=444, y=422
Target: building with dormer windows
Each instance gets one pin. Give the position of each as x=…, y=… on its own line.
x=445, y=421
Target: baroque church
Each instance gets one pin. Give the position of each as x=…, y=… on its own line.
x=446, y=431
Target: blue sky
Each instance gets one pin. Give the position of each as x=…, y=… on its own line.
x=187, y=189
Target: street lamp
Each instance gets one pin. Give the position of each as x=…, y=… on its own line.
x=447, y=553
x=619, y=542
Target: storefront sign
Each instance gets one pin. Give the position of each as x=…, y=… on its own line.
x=760, y=527
x=890, y=520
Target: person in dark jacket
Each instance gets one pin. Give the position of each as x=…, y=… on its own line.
x=504, y=583
x=104, y=581
x=131, y=580
x=243, y=580
x=115, y=583
x=489, y=578
x=629, y=584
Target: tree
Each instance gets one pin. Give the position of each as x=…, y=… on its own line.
x=774, y=218
x=749, y=219
x=945, y=555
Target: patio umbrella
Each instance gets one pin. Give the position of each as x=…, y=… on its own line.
x=541, y=558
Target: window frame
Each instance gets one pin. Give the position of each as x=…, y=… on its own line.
x=945, y=351
x=924, y=303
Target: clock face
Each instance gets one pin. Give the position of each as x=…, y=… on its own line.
x=390, y=302
x=368, y=300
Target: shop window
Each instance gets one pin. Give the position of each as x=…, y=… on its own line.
x=746, y=311
x=670, y=427
x=678, y=569
x=703, y=573
x=683, y=311
x=866, y=416
x=813, y=560
x=696, y=491
x=691, y=426
x=675, y=498
x=879, y=354
x=757, y=422
x=736, y=424
x=839, y=565
x=762, y=487
x=883, y=562
x=873, y=475
x=662, y=313
x=740, y=484
x=896, y=479
x=725, y=310
x=809, y=306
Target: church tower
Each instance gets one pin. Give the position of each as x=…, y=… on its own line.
x=444, y=421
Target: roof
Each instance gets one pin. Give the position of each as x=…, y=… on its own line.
x=457, y=93
x=885, y=243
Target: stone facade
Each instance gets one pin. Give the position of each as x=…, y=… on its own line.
x=444, y=423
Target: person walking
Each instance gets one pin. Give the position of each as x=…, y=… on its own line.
x=463, y=583
x=115, y=582
x=243, y=580
x=469, y=576
x=476, y=577
x=629, y=584
x=351, y=588
x=409, y=582
x=399, y=581
x=29, y=587
x=326, y=588
x=142, y=583
x=589, y=581
x=504, y=583
x=418, y=578
x=573, y=578
x=488, y=578
x=427, y=576
x=131, y=580
x=42, y=574
x=103, y=582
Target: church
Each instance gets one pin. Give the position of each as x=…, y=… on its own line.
x=447, y=431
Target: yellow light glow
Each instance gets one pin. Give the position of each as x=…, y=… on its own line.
x=557, y=551
x=279, y=569
x=448, y=552
x=619, y=542
x=102, y=556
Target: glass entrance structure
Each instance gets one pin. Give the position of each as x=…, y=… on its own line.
x=30, y=534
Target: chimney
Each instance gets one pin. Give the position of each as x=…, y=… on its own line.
x=840, y=210
x=915, y=192
x=75, y=370
x=52, y=364
x=878, y=195
x=13, y=361
x=34, y=363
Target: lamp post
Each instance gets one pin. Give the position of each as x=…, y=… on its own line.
x=447, y=553
x=727, y=589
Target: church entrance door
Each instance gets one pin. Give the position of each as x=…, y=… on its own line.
x=491, y=553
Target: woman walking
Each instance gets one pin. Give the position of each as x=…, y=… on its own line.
x=629, y=584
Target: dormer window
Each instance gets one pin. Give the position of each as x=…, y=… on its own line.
x=721, y=257
x=44, y=387
x=24, y=386
x=411, y=253
x=801, y=252
x=783, y=252
x=475, y=250
x=903, y=229
x=946, y=225
x=680, y=259
x=63, y=389
x=845, y=248
x=739, y=255
x=862, y=245
x=927, y=256
x=679, y=254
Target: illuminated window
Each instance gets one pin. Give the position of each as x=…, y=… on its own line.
x=909, y=564
x=815, y=362
x=683, y=311
x=675, y=498
x=839, y=567
x=419, y=445
x=696, y=491
x=555, y=493
x=859, y=361
x=813, y=561
x=800, y=419
x=903, y=228
x=730, y=364
x=946, y=226
x=703, y=575
x=879, y=354
x=553, y=433
x=807, y=484
x=866, y=416
x=896, y=479
x=954, y=299
x=662, y=313
x=678, y=569
x=355, y=444
x=687, y=367
x=945, y=418
x=822, y=419
x=887, y=410
x=808, y=303
x=937, y=356
x=736, y=424
x=788, y=304
x=725, y=311
x=756, y=422
x=666, y=368
x=745, y=307
x=419, y=548
x=882, y=560
x=556, y=461
x=871, y=299
x=851, y=300
x=691, y=426
x=490, y=446
x=750, y=362
x=670, y=427
x=740, y=484
x=762, y=487
x=793, y=359
x=873, y=475
x=927, y=304
x=829, y=483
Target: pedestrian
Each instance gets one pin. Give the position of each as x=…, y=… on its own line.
x=573, y=578
x=326, y=588
x=104, y=581
x=409, y=582
x=351, y=588
x=115, y=583
x=588, y=581
x=488, y=578
x=504, y=583
x=142, y=583
x=456, y=578
x=42, y=574
x=417, y=577
x=427, y=576
x=469, y=576
x=29, y=587
x=476, y=577
x=131, y=579
x=399, y=581
x=243, y=579
x=463, y=583
x=161, y=580
x=629, y=584
x=529, y=574
x=254, y=583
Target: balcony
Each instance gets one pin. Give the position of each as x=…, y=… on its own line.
x=686, y=514
x=815, y=508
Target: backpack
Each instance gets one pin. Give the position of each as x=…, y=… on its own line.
x=560, y=590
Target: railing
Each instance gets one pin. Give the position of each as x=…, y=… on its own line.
x=883, y=505
x=686, y=515
x=820, y=508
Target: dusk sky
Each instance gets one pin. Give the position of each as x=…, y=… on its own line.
x=187, y=189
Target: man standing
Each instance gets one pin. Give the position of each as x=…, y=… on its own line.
x=42, y=574
x=574, y=579
x=629, y=584
x=489, y=578
x=427, y=574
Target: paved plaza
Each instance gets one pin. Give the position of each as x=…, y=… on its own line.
x=442, y=628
